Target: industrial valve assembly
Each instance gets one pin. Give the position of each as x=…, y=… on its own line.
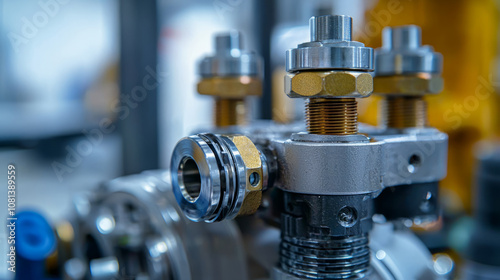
x=333, y=196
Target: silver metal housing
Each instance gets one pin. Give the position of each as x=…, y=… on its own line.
x=330, y=47
x=417, y=156
x=230, y=59
x=402, y=53
x=330, y=165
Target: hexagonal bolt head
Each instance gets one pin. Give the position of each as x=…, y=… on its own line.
x=230, y=87
x=416, y=85
x=328, y=84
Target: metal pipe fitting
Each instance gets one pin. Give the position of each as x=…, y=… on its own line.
x=402, y=53
x=331, y=108
x=230, y=75
x=330, y=47
x=330, y=175
x=405, y=71
x=230, y=60
x=218, y=177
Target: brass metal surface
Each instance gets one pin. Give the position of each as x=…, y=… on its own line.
x=230, y=87
x=339, y=84
x=404, y=112
x=229, y=112
x=414, y=85
x=253, y=165
x=332, y=116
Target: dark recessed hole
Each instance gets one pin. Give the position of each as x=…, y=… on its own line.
x=254, y=179
x=190, y=179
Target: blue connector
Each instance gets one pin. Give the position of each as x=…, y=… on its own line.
x=35, y=241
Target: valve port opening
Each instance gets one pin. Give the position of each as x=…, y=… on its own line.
x=189, y=179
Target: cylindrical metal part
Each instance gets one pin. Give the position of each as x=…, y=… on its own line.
x=325, y=237
x=405, y=71
x=484, y=244
x=330, y=47
x=346, y=257
x=403, y=112
x=230, y=112
x=104, y=268
x=332, y=116
x=337, y=28
x=228, y=42
x=217, y=177
x=402, y=53
x=230, y=59
x=331, y=165
x=401, y=38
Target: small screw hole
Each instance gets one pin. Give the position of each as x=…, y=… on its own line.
x=254, y=179
x=413, y=163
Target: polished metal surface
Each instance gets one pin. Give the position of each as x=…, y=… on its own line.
x=104, y=268
x=215, y=187
x=402, y=53
x=418, y=156
x=135, y=221
x=330, y=47
x=325, y=28
x=399, y=255
x=230, y=59
x=330, y=167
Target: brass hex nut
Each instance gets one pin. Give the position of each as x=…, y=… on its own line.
x=253, y=169
x=414, y=85
x=328, y=84
x=230, y=87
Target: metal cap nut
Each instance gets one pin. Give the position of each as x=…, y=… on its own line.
x=414, y=85
x=230, y=87
x=328, y=84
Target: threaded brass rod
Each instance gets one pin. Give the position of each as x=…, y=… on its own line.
x=404, y=112
x=230, y=112
x=332, y=116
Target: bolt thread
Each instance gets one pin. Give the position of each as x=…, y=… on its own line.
x=230, y=112
x=404, y=112
x=326, y=257
x=332, y=116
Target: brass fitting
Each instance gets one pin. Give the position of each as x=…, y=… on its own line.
x=327, y=84
x=230, y=87
x=331, y=70
x=412, y=85
x=253, y=169
x=331, y=108
x=403, y=112
x=332, y=116
x=403, y=105
x=230, y=92
x=217, y=177
x=406, y=71
x=230, y=75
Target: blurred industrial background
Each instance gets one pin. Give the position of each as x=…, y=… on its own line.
x=92, y=90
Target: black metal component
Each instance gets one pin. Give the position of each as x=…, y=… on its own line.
x=138, y=112
x=409, y=201
x=265, y=21
x=325, y=237
x=484, y=245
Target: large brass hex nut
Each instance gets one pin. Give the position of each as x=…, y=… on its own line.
x=414, y=85
x=324, y=84
x=253, y=169
x=230, y=87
